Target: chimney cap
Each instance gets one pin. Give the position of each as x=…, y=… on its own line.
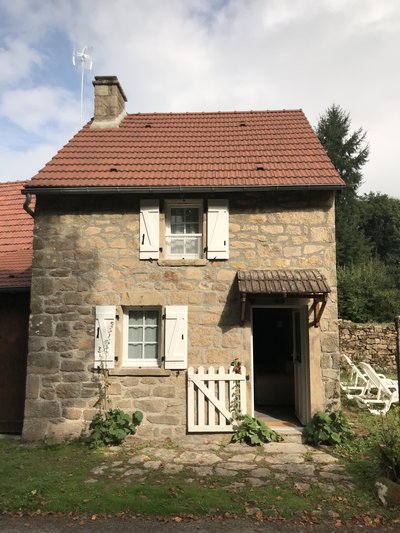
x=109, y=80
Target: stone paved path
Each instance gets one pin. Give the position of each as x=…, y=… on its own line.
x=199, y=458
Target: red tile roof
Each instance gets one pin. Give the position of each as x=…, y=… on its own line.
x=16, y=235
x=237, y=149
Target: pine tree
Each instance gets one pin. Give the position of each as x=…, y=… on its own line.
x=348, y=152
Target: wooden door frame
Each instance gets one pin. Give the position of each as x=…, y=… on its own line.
x=304, y=309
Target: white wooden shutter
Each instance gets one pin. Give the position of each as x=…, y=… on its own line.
x=176, y=337
x=104, y=336
x=149, y=229
x=218, y=229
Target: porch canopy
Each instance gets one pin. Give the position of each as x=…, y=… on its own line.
x=284, y=284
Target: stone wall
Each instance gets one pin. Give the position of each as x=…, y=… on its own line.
x=373, y=343
x=86, y=253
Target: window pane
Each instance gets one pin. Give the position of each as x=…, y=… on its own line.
x=177, y=246
x=151, y=318
x=135, y=334
x=151, y=335
x=150, y=351
x=192, y=228
x=135, y=351
x=135, y=318
x=177, y=229
x=192, y=246
x=177, y=215
x=192, y=214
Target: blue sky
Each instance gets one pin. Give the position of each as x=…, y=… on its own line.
x=200, y=55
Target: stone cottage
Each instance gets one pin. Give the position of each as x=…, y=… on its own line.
x=165, y=247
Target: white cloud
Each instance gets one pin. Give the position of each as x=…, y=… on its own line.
x=17, y=165
x=17, y=60
x=41, y=109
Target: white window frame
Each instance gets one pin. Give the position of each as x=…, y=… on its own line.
x=179, y=205
x=140, y=363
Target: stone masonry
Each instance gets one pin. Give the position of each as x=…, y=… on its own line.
x=372, y=343
x=86, y=253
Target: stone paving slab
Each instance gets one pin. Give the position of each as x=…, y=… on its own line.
x=207, y=458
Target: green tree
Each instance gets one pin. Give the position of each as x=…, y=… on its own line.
x=381, y=226
x=348, y=152
x=367, y=292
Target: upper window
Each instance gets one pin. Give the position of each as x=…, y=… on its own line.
x=184, y=231
x=143, y=334
x=184, y=228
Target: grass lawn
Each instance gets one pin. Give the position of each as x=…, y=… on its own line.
x=54, y=478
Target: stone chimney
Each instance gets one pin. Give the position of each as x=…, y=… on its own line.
x=109, y=102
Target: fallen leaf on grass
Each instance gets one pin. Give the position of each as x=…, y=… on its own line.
x=177, y=519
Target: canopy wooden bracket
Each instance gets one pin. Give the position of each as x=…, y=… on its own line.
x=318, y=309
x=242, y=307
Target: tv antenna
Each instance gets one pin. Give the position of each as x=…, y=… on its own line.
x=82, y=56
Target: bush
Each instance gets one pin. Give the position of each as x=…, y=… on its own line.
x=331, y=429
x=112, y=427
x=368, y=292
x=253, y=431
x=388, y=443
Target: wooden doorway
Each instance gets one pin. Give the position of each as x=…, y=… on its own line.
x=280, y=363
x=14, y=321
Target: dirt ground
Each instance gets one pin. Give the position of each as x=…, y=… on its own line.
x=67, y=524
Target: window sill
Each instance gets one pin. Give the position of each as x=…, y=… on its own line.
x=160, y=372
x=182, y=262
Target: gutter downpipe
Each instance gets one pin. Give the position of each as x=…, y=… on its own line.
x=26, y=207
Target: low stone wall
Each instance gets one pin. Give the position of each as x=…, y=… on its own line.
x=372, y=343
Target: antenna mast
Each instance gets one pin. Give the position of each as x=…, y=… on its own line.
x=84, y=56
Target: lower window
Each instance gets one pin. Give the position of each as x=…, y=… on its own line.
x=142, y=337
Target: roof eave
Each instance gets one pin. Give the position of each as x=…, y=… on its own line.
x=176, y=188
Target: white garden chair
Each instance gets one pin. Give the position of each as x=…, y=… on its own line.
x=380, y=393
x=357, y=382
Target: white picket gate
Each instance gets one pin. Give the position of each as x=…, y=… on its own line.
x=210, y=395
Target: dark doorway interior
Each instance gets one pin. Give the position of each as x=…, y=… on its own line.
x=14, y=318
x=273, y=361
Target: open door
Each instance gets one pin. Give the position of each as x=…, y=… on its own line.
x=280, y=371
x=301, y=370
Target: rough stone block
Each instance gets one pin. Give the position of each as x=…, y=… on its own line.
x=68, y=390
x=35, y=429
x=41, y=325
x=63, y=329
x=42, y=409
x=164, y=391
x=72, y=413
x=169, y=420
x=150, y=405
x=43, y=363
x=32, y=386
x=70, y=365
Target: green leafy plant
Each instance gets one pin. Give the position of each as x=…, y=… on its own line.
x=328, y=428
x=248, y=429
x=235, y=407
x=112, y=427
x=253, y=431
x=387, y=443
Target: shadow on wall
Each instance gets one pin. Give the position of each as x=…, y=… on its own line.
x=61, y=386
x=230, y=316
